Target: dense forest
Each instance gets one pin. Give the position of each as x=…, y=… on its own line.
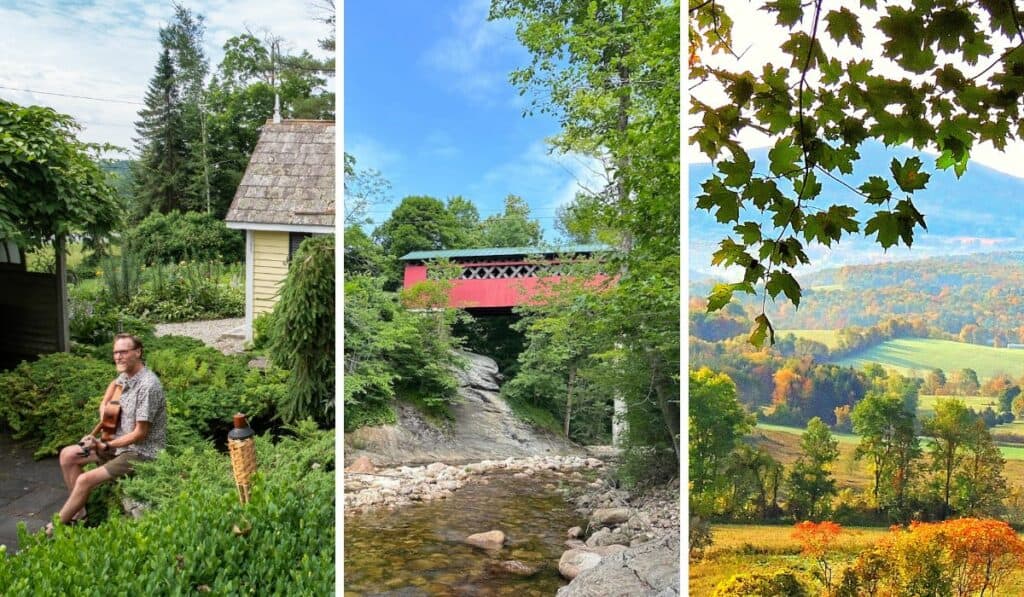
x=972, y=298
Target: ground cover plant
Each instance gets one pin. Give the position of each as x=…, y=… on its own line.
x=196, y=537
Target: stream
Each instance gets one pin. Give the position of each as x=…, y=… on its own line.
x=419, y=549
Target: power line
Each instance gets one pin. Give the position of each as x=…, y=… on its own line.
x=95, y=99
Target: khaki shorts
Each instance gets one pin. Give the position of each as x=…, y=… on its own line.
x=120, y=465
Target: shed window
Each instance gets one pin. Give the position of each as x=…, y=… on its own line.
x=294, y=240
x=9, y=252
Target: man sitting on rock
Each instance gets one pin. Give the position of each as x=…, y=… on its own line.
x=141, y=432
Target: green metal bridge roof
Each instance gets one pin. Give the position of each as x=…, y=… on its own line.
x=504, y=252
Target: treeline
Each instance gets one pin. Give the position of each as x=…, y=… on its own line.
x=791, y=382
x=957, y=472
x=973, y=298
x=200, y=124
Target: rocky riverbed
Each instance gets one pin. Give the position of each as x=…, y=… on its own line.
x=629, y=546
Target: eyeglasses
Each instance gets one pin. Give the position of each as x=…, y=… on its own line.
x=121, y=353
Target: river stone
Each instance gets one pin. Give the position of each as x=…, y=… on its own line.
x=575, y=561
x=488, y=540
x=575, y=544
x=361, y=465
x=648, y=569
x=574, y=532
x=605, y=537
x=609, y=516
x=514, y=567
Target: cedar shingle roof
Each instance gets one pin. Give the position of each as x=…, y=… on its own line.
x=290, y=176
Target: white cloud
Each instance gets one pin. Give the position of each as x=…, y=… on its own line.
x=371, y=154
x=468, y=58
x=108, y=49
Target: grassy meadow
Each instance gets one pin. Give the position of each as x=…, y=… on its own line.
x=917, y=356
x=744, y=548
x=829, y=338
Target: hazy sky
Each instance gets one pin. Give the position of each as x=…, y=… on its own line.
x=428, y=104
x=756, y=38
x=108, y=49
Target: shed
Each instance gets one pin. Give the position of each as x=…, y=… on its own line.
x=286, y=195
x=32, y=309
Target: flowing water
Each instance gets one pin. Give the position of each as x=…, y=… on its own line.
x=420, y=549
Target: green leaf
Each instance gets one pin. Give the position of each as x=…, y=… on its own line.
x=787, y=12
x=716, y=195
x=749, y=231
x=783, y=157
x=886, y=226
x=876, y=189
x=908, y=175
x=738, y=171
x=762, y=330
x=721, y=294
x=783, y=281
x=844, y=24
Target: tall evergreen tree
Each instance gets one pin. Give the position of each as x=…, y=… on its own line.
x=173, y=165
x=157, y=174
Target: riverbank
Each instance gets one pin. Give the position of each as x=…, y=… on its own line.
x=368, y=487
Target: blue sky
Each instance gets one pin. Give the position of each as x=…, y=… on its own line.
x=427, y=103
x=108, y=49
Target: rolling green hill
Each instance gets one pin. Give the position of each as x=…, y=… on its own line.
x=829, y=338
x=916, y=356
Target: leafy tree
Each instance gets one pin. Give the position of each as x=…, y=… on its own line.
x=754, y=477
x=563, y=335
x=303, y=338
x=50, y=185
x=362, y=255
x=889, y=441
x=818, y=109
x=810, y=480
x=979, y=486
x=419, y=223
x=364, y=188
x=951, y=428
x=717, y=421
x=609, y=72
x=513, y=228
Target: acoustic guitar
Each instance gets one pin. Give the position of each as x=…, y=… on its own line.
x=110, y=415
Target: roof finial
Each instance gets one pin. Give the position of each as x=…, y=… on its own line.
x=277, y=108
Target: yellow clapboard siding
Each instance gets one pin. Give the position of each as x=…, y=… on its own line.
x=270, y=266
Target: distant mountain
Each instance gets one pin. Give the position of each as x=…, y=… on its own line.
x=980, y=212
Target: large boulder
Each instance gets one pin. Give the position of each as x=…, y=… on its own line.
x=603, y=517
x=648, y=569
x=488, y=540
x=361, y=465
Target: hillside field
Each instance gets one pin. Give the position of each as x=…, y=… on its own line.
x=917, y=356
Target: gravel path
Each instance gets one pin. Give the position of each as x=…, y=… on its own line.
x=226, y=335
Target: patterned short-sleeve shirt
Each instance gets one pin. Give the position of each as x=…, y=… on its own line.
x=142, y=399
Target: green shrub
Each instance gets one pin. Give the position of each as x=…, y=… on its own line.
x=197, y=537
x=773, y=583
x=54, y=401
x=262, y=328
x=175, y=237
x=97, y=323
x=122, y=278
x=303, y=333
x=190, y=291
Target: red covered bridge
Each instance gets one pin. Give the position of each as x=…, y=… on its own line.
x=497, y=279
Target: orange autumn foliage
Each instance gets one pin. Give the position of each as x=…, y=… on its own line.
x=967, y=556
x=816, y=538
